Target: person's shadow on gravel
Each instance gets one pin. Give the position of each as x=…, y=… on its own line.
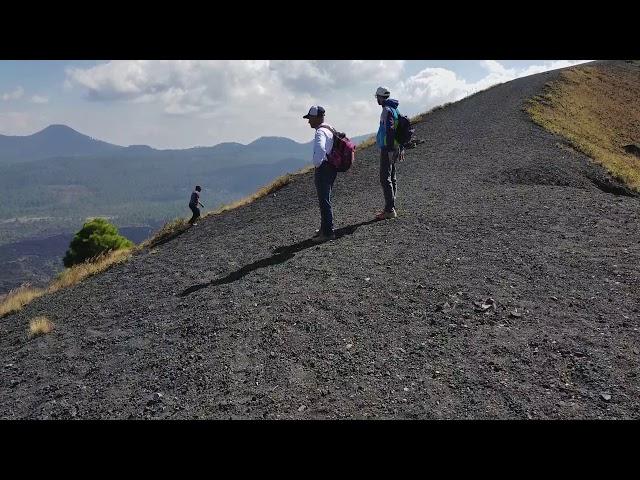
x=281, y=254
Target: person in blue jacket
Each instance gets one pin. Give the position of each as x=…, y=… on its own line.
x=390, y=151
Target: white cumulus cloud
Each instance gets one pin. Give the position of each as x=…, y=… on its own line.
x=434, y=86
x=39, y=99
x=195, y=86
x=15, y=95
x=240, y=100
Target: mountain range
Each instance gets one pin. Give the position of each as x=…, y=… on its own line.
x=51, y=181
x=63, y=141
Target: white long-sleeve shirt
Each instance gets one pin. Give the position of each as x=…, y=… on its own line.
x=322, y=144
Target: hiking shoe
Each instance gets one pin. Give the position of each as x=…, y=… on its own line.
x=386, y=215
x=321, y=237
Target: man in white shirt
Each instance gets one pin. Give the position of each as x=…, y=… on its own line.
x=325, y=173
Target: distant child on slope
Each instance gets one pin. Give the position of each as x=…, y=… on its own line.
x=193, y=205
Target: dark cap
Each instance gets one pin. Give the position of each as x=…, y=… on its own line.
x=315, y=111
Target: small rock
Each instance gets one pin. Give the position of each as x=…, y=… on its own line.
x=443, y=307
x=554, y=298
x=515, y=314
x=606, y=396
x=155, y=398
x=349, y=345
x=405, y=389
x=367, y=279
x=485, y=305
x=301, y=408
x=636, y=351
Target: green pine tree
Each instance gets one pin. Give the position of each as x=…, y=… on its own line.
x=95, y=237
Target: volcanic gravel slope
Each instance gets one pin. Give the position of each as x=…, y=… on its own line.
x=241, y=317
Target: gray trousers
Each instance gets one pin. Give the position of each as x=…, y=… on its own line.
x=388, y=178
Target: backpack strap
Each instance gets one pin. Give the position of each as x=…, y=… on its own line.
x=332, y=130
x=336, y=133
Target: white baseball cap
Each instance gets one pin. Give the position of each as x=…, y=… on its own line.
x=315, y=111
x=382, y=92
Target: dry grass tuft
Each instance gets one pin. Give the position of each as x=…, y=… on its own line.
x=179, y=225
x=16, y=299
x=167, y=232
x=273, y=187
x=596, y=108
x=40, y=326
x=366, y=143
x=77, y=273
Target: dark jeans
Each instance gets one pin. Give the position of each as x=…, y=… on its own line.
x=324, y=177
x=388, y=179
x=196, y=213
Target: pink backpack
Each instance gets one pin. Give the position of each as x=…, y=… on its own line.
x=343, y=152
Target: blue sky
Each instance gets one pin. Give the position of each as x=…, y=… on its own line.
x=180, y=104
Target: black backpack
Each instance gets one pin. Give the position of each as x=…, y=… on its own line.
x=404, y=132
